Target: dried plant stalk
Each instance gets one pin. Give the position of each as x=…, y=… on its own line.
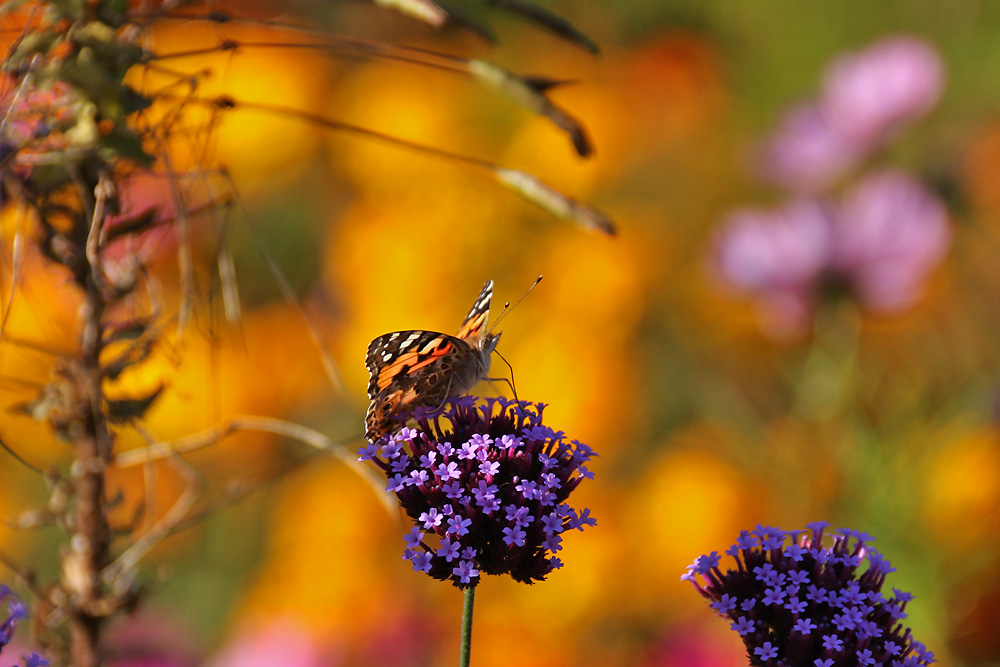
x=73, y=132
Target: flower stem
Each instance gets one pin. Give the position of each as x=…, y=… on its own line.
x=466, y=645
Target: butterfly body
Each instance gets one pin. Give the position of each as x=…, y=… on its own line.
x=410, y=369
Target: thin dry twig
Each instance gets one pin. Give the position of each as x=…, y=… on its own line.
x=528, y=186
x=120, y=573
x=330, y=366
x=185, y=258
x=198, y=441
x=20, y=459
x=17, y=257
x=237, y=489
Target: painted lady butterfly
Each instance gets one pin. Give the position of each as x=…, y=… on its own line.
x=409, y=369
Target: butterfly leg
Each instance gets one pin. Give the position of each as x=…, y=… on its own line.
x=510, y=384
x=445, y=397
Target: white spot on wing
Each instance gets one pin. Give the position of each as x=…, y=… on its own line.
x=429, y=347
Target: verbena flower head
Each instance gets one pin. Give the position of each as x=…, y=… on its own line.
x=867, y=97
x=796, y=602
x=16, y=611
x=485, y=483
x=878, y=244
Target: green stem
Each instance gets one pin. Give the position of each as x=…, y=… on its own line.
x=466, y=646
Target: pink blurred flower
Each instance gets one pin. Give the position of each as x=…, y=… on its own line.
x=280, y=643
x=777, y=256
x=867, y=96
x=16, y=652
x=775, y=251
x=869, y=93
x=880, y=242
x=891, y=232
x=807, y=152
x=695, y=646
x=152, y=639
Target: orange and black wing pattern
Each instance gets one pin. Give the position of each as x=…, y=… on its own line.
x=474, y=325
x=408, y=369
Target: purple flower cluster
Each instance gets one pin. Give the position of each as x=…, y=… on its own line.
x=803, y=604
x=866, y=97
x=16, y=611
x=877, y=243
x=486, y=485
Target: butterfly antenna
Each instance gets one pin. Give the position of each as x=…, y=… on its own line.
x=507, y=307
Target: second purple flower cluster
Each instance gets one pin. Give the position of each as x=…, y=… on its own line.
x=807, y=604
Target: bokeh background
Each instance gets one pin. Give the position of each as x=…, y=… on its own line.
x=705, y=420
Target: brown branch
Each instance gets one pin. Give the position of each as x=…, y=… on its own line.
x=87, y=555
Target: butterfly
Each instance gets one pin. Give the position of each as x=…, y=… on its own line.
x=409, y=369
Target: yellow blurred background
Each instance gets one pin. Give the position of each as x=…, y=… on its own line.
x=703, y=424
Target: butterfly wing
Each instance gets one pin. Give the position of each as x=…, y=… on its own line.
x=408, y=369
x=474, y=325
